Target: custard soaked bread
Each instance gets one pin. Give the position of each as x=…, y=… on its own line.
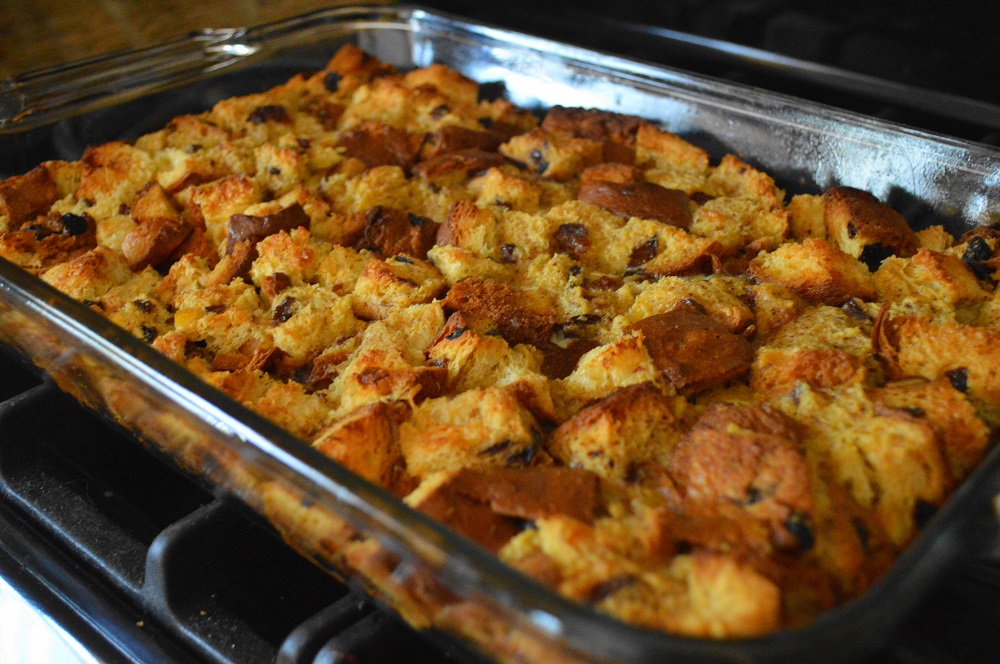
x=647, y=381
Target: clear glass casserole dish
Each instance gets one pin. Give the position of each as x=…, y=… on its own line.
x=433, y=577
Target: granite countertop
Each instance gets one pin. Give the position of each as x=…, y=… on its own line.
x=44, y=33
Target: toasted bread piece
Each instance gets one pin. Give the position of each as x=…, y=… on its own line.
x=476, y=429
x=855, y=220
x=617, y=433
x=817, y=271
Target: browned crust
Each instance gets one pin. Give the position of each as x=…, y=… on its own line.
x=24, y=197
x=457, y=228
x=749, y=456
x=855, y=219
x=611, y=172
x=366, y=441
x=519, y=319
x=154, y=241
x=248, y=227
x=455, y=139
x=616, y=130
x=490, y=506
x=378, y=144
x=465, y=162
x=693, y=350
x=816, y=270
x=776, y=371
x=645, y=200
x=559, y=362
x=390, y=232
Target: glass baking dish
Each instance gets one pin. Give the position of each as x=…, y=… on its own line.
x=434, y=578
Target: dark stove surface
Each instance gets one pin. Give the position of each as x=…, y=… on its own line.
x=140, y=563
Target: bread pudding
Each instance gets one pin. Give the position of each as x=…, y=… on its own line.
x=651, y=382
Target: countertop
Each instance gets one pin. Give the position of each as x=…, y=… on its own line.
x=43, y=33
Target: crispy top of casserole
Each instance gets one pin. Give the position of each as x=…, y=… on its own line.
x=646, y=380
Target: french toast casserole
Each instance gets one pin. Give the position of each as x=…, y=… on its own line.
x=646, y=380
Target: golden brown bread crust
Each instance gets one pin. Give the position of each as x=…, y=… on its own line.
x=856, y=220
x=645, y=200
x=817, y=271
x=520, y=318
x=641, y=378
x=24, y=197
x=693, y=350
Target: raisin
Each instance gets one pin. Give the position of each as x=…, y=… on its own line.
x=959, y=379
x=572, y=239
x=403, y=259
x=145, y=306
x=632, y=474
x=331, y=81
x=575, y=271
x=303, y=374
x=977, y=252
x=148, y=333
x=923, y=512
x=74, y=224
x=644, y=252
x=852, y=231
x=862, y=531
x=508, y=253
x=274, y=170
x=269, y=112
x=283, y=311
x=415, y=220
x=523, y=457
x=639, y=273
x=585, y=319
x=496, y=448
x=800, y=528
x=753, y=496
x=604, y=282
x=215, y=308
x=456, y=333
x=540, y=164
x=439, y=112
x=40, y=231
x=486, y=123
x=280, y=282
x=854, y=310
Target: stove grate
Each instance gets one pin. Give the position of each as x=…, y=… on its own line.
x=159, y=568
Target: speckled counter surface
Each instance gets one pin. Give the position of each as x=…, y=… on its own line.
x=44, y=33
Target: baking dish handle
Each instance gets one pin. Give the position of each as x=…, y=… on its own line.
x=47, y=95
